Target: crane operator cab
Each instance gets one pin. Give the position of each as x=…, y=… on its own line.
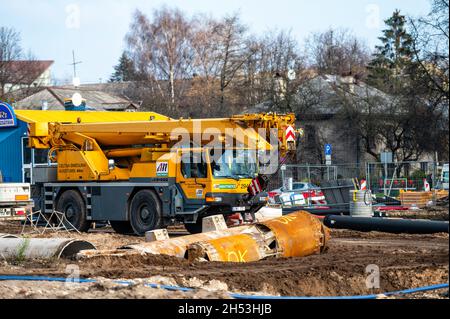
x=212, y=182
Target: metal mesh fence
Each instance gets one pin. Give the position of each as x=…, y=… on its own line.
x=385, y=181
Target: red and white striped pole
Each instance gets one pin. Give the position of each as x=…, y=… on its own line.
x=426, y=186
x=363, y=185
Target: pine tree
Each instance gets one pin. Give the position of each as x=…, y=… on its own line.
x=124, y=71
x=393, y=59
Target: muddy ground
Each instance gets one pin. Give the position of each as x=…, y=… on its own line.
x=404, y=261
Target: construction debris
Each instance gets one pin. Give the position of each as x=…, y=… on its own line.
x=157, y=234
x=296, y=235
x=421, y=199
x=213, y=223
x=173, y=247
x=236, y=248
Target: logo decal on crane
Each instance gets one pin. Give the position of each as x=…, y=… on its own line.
x=162, y=168
x=290, y=134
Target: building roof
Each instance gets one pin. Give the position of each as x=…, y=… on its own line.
x=25, y=71
x=54, y=98
x=322, y=94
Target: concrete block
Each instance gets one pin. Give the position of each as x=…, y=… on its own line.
x=213, y=223
x=156, y=235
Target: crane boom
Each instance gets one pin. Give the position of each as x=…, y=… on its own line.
x=247, y=130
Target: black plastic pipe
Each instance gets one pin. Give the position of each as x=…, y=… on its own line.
x=387, y=225
x=316, y=211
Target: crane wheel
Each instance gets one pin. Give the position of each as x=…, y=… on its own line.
x=145, y=212
x=122, y=227
x=71, y=204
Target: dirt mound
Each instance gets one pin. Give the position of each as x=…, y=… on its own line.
x=404, y=261
x=104, y=289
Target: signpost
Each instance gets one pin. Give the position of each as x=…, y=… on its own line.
x=328, y=152
x=386, y=158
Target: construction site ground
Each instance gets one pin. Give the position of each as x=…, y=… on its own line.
x=404, y=261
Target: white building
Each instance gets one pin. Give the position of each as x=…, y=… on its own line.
x=27, y=74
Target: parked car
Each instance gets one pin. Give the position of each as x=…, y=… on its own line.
x=301, y=194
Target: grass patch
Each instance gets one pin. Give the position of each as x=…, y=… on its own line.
x=20, y=258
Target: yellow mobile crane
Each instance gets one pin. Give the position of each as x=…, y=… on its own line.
x=143, y=171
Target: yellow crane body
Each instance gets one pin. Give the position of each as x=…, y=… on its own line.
x=142, y=171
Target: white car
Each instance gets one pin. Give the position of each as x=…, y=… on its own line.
x=300, y=195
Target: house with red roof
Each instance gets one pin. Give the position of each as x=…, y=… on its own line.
x=24, y=74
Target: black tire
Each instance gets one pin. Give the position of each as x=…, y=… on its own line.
x=71, y=204
x=195, y=228
x=122, y=227
x=145, y=212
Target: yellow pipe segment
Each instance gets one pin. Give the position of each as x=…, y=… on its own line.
x=295, y=235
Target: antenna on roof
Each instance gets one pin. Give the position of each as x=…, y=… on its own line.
x=76, y=80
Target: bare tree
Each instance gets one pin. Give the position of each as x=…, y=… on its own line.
x=430, y=47
x=337, y=52
x=205, y=89
x=286, y=64
x=10, y=50
x=273, y=70
x=161, y=49
x=233, y=51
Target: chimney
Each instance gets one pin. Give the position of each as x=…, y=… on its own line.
x=44, y=105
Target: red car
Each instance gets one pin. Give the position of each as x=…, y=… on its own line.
x=311, y=194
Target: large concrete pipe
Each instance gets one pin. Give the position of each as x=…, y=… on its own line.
x=295, y=235
x=7, y=236
x=42, y=248
x=387, y=225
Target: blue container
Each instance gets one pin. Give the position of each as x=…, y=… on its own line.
x=11, y=133
x=68, y=106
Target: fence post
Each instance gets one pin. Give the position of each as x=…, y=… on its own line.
x=309, y=173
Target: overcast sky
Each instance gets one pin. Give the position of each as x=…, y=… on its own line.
x=96, y=29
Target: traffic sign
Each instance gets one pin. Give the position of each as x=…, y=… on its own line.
x=290, y=134
x=386, y=157
x=328, y=149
